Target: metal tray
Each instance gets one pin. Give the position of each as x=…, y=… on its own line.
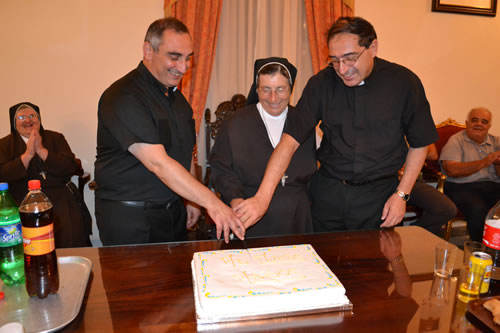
x=477, y=309
x=55, y=311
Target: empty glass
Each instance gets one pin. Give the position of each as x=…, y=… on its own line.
x=445, y=259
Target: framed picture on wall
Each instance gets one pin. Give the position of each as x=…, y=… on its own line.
x=473, y=7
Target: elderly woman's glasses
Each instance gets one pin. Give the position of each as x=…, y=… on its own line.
x=29, y=116
x=349, y=60
x=280, y=91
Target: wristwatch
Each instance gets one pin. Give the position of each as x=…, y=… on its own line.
x=403, y=195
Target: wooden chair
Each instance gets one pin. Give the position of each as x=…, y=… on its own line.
x=432, y=171
x=83, y=177
x=224, y=111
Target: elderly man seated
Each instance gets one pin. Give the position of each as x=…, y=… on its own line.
x=471, y=161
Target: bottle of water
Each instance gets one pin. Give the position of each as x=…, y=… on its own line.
x=491, y=238
x=11, y=240
x=40, y=260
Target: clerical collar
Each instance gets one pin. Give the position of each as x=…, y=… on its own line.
x=145, y=71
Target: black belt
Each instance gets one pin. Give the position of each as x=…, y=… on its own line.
x=365, y=182
x=357, y=182
x=149, y=204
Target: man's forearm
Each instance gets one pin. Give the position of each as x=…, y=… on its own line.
x=463, y=169
x=277, y=165
x=172, y=173
x=413, y=165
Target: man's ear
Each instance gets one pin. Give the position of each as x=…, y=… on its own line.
x=147, y=50
x=374, y=47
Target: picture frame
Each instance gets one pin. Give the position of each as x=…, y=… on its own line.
x=471, y=7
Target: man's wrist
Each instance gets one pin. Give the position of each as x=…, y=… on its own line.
x=397, y=260
x=403, y=195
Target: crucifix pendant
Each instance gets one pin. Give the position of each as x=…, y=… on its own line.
x=283, y=180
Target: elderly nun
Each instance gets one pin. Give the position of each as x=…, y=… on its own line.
x=247, y=140
x=31, y=152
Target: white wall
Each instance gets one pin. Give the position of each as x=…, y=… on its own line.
x=455, y=55
x=62, y=54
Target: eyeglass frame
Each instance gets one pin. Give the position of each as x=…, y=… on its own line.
x=336, y=63
x=22, y=117
x=281, y=91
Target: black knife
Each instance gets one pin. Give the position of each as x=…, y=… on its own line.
x=245, y=246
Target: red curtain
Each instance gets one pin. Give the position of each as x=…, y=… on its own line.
x=202, y=19
x=320, y=15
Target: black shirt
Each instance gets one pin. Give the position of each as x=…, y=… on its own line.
x=364, y=127
x=135, y=109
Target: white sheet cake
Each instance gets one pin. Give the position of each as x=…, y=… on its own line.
x=234, y=284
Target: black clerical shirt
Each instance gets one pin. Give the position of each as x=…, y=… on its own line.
x=135, y=109
x=364, y=127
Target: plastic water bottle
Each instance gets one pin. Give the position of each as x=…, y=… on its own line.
x=11, y=239
x=40, y=260
x=491, y=238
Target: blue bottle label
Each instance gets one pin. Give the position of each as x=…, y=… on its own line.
x=11, y=234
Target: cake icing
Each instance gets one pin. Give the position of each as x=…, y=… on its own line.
x=263, y=281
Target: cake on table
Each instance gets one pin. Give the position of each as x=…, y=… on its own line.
x=263, y=282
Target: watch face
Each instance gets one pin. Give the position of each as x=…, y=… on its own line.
x=403, y=196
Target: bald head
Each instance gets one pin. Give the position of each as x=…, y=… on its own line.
x=478, y=124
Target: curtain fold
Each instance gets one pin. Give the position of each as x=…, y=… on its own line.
x=202, y=19
x=320, y=15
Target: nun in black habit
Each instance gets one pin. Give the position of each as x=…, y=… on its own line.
x=247, y=140
x=31, y=152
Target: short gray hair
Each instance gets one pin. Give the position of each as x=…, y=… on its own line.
x=155, y=30
x=479, y=108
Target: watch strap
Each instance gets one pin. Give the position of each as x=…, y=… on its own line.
x=403, y=195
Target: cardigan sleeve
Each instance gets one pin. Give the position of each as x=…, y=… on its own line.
x=11, y=166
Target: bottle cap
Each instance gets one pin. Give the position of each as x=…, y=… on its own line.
x=14, y=327
x=33, y=184
x=4, y=186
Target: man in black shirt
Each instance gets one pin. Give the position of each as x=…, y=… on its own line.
x=368, y=108
x=145, y=139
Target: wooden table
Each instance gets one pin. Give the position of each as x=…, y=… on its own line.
x=148, y=288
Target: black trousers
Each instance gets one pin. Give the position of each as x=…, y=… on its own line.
x=119, y=224
x=474, y=200
x=337, y=206
x=437, y=208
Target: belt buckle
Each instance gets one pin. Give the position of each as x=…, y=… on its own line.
x=345, y=182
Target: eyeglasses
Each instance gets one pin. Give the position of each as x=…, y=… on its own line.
x=280, y=91
x=349, y=60
x=30, y=116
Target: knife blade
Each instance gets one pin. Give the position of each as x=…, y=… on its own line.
x=221, y=244
x=245, y=246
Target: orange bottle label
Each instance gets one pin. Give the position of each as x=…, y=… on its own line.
x=39, y=241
